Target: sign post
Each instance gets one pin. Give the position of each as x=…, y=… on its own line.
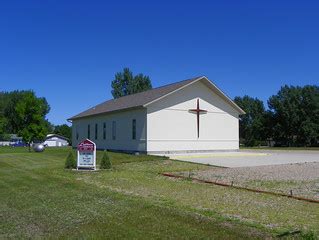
x=86, y=155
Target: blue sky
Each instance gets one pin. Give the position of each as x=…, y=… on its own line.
x=69, y=51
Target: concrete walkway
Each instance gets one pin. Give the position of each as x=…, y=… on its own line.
x=248, y=158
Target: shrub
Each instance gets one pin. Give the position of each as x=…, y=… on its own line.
x=70, y=161
x=105, y=161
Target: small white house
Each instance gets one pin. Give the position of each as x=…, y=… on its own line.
x=193, y=115
x=55, y=140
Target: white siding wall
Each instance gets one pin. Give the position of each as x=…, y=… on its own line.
x=171, y=127
x=123, y=140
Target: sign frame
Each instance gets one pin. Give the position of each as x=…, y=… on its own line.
x=86, y=146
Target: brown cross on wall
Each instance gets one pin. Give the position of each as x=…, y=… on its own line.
x=198, y=111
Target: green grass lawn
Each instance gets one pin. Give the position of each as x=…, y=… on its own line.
x=39, y=199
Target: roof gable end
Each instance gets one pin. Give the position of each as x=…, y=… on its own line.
x=146, y=98
x=211, y=86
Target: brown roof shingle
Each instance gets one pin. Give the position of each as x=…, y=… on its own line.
x=133, y=100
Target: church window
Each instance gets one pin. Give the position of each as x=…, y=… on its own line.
x=134, y=129
x=96, y=131
x=104, y=131
x=114, y=130
x=77, y=133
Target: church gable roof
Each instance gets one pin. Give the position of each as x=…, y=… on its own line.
x=143, y=99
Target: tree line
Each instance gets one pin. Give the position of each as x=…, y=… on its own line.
x=292, y=118
x=23, y=113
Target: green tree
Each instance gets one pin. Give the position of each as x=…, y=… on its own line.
x=12, y=121
x=125, y=83
x=49, y=126
x=295, y=114
x=4, y=136
x=3, y=123
x=285, y=108
x=4, y=97
x=251, y=125
x=309, y=131
x=105, y=161
x=10, y=113
x=30, y=113
x=63, y=130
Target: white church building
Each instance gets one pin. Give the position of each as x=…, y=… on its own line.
x=193, y=115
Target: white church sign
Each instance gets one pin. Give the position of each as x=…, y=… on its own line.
x=86, y=154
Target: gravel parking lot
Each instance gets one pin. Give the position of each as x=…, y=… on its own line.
x=246, y=158
x=300, y=178
x=284, y=172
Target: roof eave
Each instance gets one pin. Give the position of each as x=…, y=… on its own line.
x=104, y=113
